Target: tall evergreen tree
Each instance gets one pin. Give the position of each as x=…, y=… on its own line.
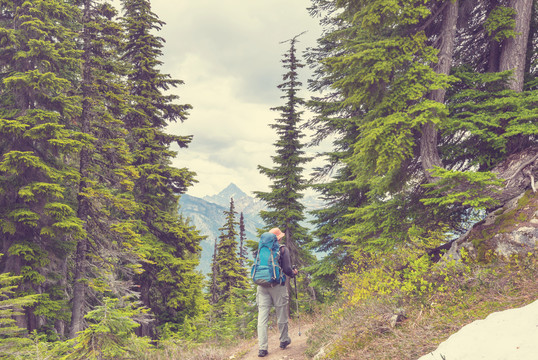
x=231, y=274
x=285, y=209
x=169, y=284
x=402, y=98
x=39, y=145
x=242, y=239
x=331, y=121
x=214, y=287
x=105, y=203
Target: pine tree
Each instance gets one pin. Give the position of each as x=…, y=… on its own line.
x=232, y=313
x=110, y=333
x=367, y=110
x=285, y=209
x=13, y=339
x=339, y=195
x=331, y=120
x=105, y=203
x=169, y=283
x=401, y=102
x=511, y=26
x=242, y=239
x=231, y=274
x=214, y=287
x=40, y=142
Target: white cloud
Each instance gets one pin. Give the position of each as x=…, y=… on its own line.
x=228, y=53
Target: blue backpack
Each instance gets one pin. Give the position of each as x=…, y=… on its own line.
x=266, y=269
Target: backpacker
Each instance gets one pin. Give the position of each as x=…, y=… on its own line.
x=266, y=270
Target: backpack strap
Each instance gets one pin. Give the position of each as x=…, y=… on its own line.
x=256, y=262
x=273, y=263
x=280, y=246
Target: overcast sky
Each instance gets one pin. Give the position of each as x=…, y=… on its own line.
x=229, y=54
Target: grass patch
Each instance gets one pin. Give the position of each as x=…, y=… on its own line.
x=181, y=350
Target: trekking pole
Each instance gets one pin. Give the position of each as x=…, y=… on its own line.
x=297, y=300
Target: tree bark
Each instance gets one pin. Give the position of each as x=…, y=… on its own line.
x=79, y=288
x=514, y=57
x=145, y=329
x=494, y=54
x=60, y=325
x=429, y=153
x=514, y=49
x=520, y=171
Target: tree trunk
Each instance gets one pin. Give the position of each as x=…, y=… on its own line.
x=514, y=56
x=494, y=54
x=521, y=168
x=520, y=171
x=145, y=329
x=514, y=49
x=60, y=324
x=533, y=30
x=429, y=153
x=79, y=288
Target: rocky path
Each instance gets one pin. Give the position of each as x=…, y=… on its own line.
x=294, y=351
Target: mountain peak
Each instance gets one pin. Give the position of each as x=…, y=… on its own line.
x=232, y=190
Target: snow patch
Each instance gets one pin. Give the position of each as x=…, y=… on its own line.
x=506, y=335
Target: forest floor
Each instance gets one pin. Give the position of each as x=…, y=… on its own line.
x=294, y=351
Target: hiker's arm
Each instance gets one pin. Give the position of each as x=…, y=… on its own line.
x=285, y=262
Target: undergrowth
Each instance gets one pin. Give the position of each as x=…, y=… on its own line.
x=430, y=300
x=396, y=306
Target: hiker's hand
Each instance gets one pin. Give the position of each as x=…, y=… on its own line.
x=295, y=271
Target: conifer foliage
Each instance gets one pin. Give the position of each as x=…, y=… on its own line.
x=231, y=293
x=230, y=274
x=285, y=209
x=424, y=102
x=242, y=240
x=88, y=194
x=12, y=337
x=104, y=200
x=39, y=138
x=420, y=99
x=169, y=284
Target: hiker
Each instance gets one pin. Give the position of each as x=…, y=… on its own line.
x=275, y=294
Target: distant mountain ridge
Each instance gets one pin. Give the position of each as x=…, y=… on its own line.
x=242, y=202
x=207, y=215
x=231, y=191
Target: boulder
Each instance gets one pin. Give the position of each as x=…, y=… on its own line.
x=511, y=230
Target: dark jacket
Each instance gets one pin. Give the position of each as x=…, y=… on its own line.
x=285, y=261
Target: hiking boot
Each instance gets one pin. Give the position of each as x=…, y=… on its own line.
x=283, y=344
x=262, y=353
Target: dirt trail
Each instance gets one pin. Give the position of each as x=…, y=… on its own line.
x=294, y=351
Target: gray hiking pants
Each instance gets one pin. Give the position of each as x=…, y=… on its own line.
x=266, y=298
